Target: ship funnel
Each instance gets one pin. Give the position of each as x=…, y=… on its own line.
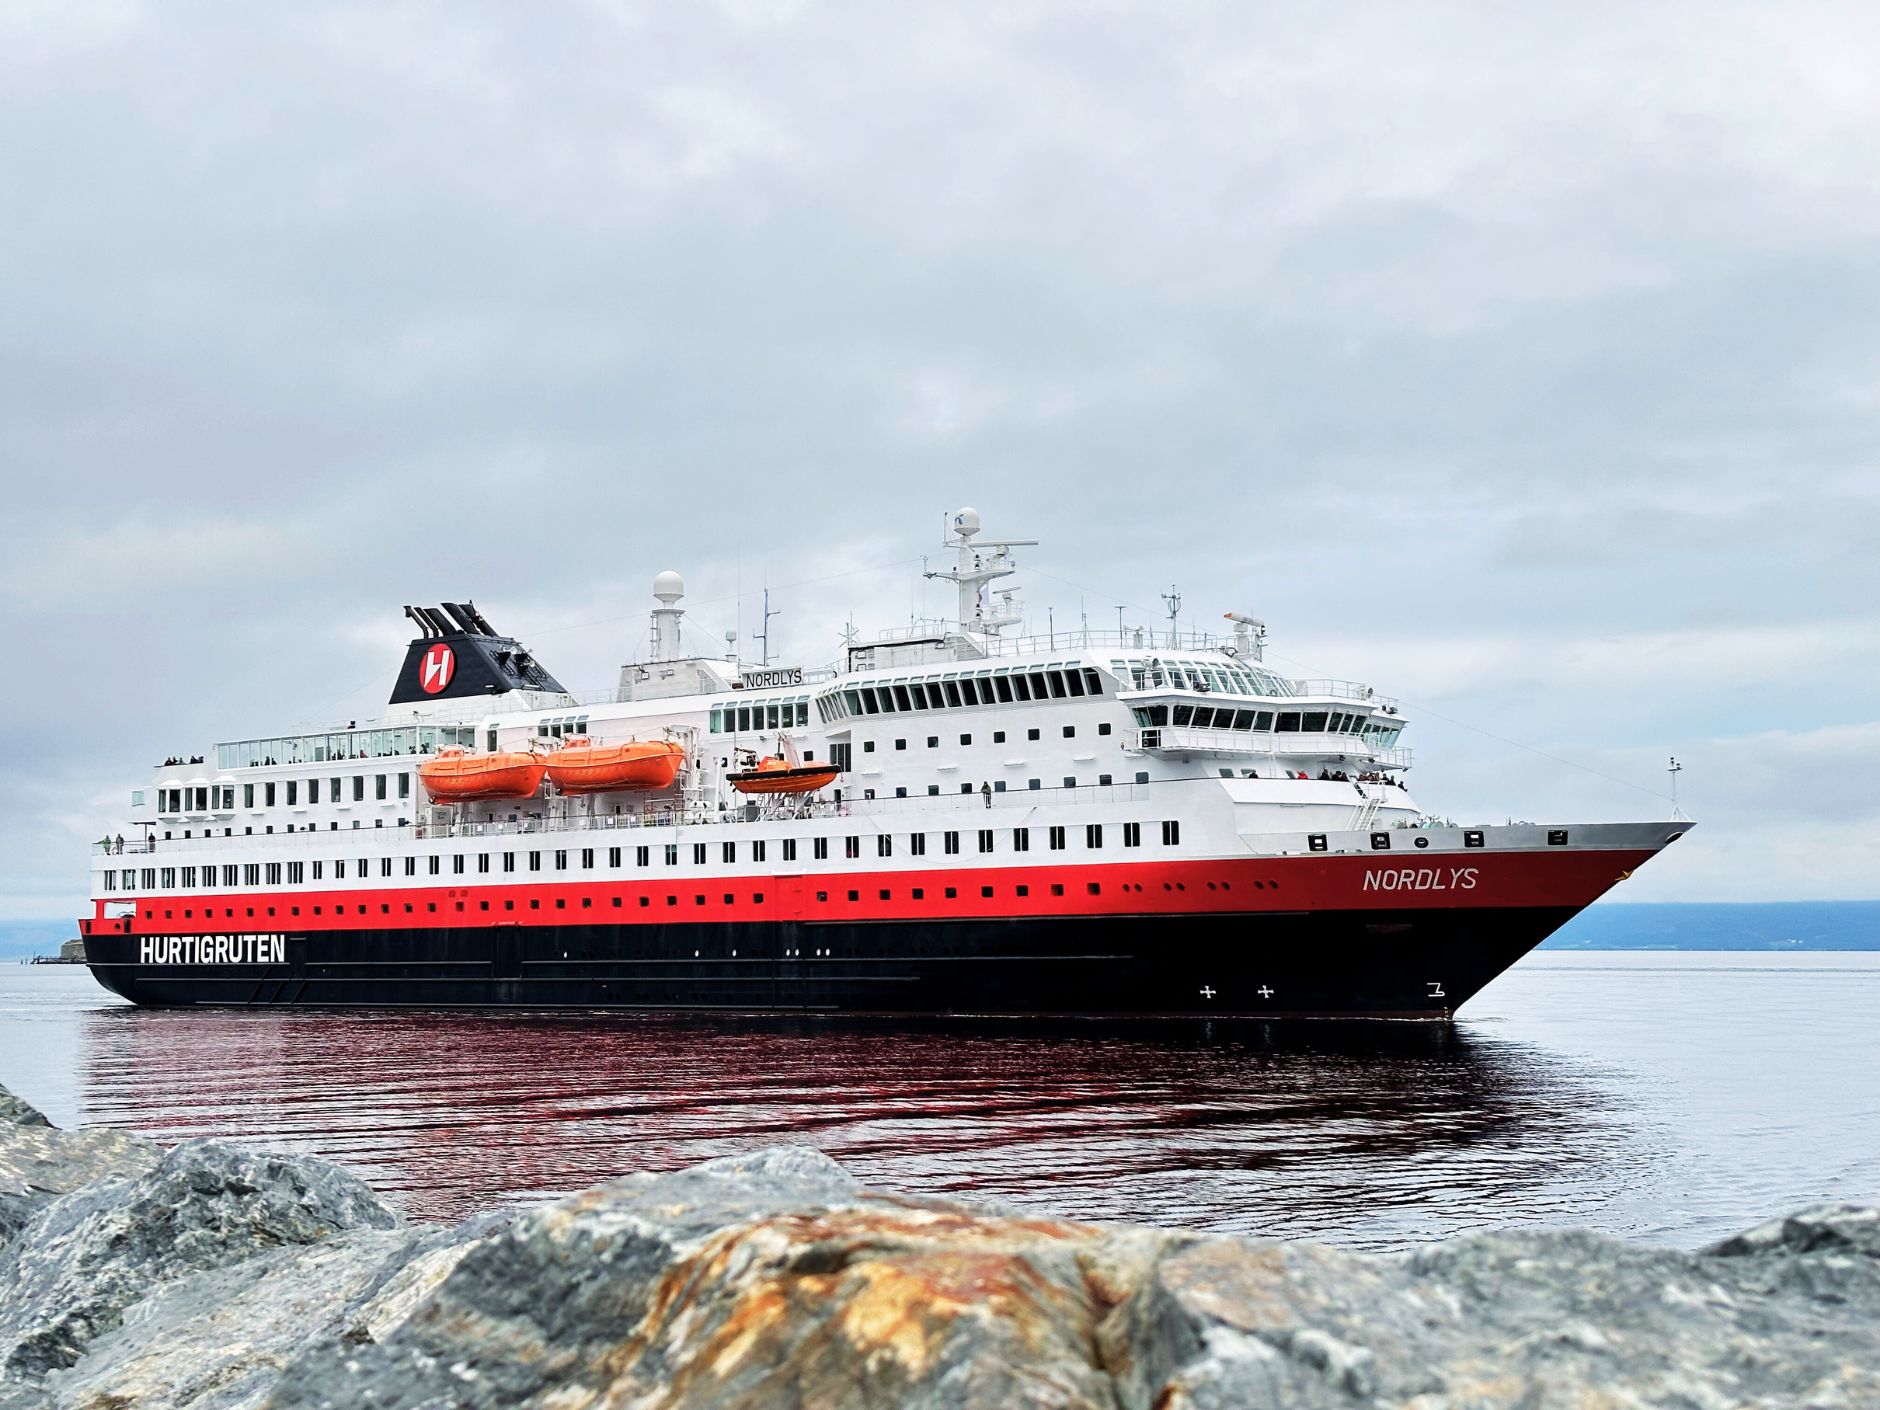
x=668, y=588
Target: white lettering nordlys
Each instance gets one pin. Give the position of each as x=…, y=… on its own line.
x=1420, y=879
x=212, y=949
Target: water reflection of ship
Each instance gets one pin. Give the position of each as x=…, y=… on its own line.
x=1373, y=1135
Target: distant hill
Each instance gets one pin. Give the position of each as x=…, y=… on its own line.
x=1771, y=925
x=1723, y=925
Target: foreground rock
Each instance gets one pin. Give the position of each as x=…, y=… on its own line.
x=215, y=1278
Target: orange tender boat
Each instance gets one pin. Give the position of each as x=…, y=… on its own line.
x=455, y=775
x=582, y=766
x=774, y=775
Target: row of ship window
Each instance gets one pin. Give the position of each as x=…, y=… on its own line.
x=998, y=737
x=1021, y=890
x=1282, y=721
x=220, y=797
x=233, y=874
x=969, y=690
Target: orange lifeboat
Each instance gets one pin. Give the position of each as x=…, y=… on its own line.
x=774, y=775
x=582, y=766
x=455, y=775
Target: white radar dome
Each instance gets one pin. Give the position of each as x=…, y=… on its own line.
x=669, y=587
x=966, y=523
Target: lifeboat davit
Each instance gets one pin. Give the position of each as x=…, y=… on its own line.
x=582, y=766
x=455, y=775
x=774, y=775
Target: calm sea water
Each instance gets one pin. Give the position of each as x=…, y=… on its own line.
x=1671, y=1096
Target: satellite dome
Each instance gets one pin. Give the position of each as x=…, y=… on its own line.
x=966, y=523
x=669, y=587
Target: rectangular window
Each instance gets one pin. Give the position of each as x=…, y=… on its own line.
x=1021, y=839
x=1132, y=834
x=293, y=790
x=228, y=872
x=672, y=854
x=1093, y=835
x=248, y=795
x=483, y=862
x=268, y=791
x=378, y=787
x=821, y=849
x=169, y=876
x=313, y=790
x=1171, y=834
x=333, y=790
x=561, y=859
x=757, y=850
x=698, y=854
x=434, y=865
x=789, y=849
x=884, y=845
x=411, y=866
x=456, y=864
x=318, y=867
x=998, y=736
x=1070, y=731
x=359, y=788
x=851, y=846
x=404, y=785
x=730, y=853
x=509, y=861
x=642, y=856
x=917, y=844
x=1057, y=839
x=251, y=874
x=966, y=739
x=950, y=843
x=189, y=874
x=274, y=874
x=1103, y=728
x=535, y=861
x=339, y=872
x=985, y=839
x=613, y=856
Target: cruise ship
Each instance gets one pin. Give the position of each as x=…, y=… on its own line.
x=952, y=818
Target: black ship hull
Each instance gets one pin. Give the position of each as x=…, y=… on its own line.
x=1416, y=963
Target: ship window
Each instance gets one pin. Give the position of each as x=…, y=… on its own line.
x=1070, y=780
x=718, y=719
x=952, y=692
x=1056, y=681
x=789, y=849
x=917, y=844
x=1002, y=686
x=1204, y=717
x=1093, y=835
x=884, y=845
x=1074, y=680
x=535, y=861
x=698, y=854
x=339, y=872
x=293, y=792
x=757, y=850
x=1034, y=784
x=855, y=895
x=587, y=859
x=1057, y=839
x=744, y=718
x=985, y=839
x=1093, y=683
x=1103, y=780
x=821, y=848
x=950, y=843
x=1313, y=723
x=868, y=746
x=1070, y=731
x=851, y=846
x=1094, y=888
x=411, y=866
x=1021, y=686
x=268, y=799
x=359, y=788
x=729, y=852
x=772, y=719
x=435, y=864
x=642, y=856
x=1171, y=833
x=1132, y=834
x=900, y=744
x=1021, y=839
x=871, y=699
x=1263, y=720
x=613, y=856
x=313, y=790
x=483, y=861
x=509, y=861
x=998, y=785
x=985, y=891
x=404, y=785
x=1288, y=722
x=1031, y=734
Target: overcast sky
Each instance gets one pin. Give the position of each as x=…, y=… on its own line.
x=1521, y=360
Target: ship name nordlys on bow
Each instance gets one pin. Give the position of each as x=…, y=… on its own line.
x=954, y=817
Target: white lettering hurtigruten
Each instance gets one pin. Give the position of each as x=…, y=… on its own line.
x=212, y=949
x=1420, y=879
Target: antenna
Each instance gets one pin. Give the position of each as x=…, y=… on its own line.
x=764, y=635
x=1174, y=601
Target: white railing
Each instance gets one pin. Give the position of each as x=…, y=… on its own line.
x=1168, y=739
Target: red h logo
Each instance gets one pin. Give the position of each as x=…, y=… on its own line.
x=438, y=666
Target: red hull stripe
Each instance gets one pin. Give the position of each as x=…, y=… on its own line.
x=1448, y=880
